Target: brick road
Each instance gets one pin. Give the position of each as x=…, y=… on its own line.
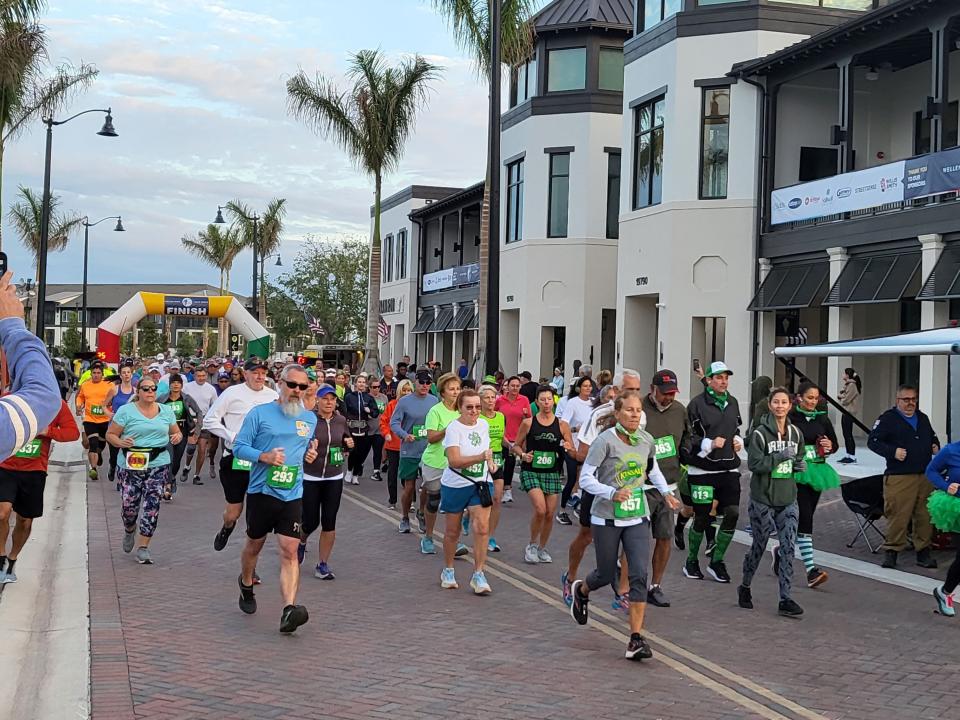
x=384, y=640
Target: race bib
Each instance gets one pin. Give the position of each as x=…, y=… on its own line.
x=381, y=405
x=138, y=459
x=30, y=450
x=498, y=459
x=665, y=447
x=239, y=464
x=282, y=477
x=97, y=410
x=701, y=494
x=419, y=432
x=177, y=407
x=476, y=470
x=810, y=453
x=336, y=455
x=783, y=470
x=633, y=507
x=544, y=459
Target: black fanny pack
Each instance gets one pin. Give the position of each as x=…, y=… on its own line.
x=154, y=452
x=482, y=487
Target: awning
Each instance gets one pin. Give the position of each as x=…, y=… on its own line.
x=444, y=318
x=475, y=323
x=425, y=321
x=874, y=279
x=944, y=281
x=463, y=319
x=790, y=287
x=943, y=341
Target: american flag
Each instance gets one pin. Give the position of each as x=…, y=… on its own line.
x=314, y=324
x=383, y=330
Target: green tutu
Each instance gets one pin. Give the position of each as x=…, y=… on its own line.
x=820, y=476
x=944, y=511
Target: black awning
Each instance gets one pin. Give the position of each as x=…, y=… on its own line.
x=475, y=323
x=444, y=318
x=873, y=279
x=425, y=321
x=944, y=281
x=790, y=287
x=463, y=319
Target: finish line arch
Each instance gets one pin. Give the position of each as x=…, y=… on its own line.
x=150, y=303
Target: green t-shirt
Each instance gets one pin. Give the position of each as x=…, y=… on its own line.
x=438, y=417
x=497, y=426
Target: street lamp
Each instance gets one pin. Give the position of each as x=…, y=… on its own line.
x=86, y=244
x=106, y=131
x=255, y=219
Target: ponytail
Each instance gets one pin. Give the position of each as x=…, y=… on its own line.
x=852, y=374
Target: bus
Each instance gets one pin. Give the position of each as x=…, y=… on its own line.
x=333, y=356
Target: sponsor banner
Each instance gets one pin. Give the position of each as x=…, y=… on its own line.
x=839, y=194
x=452, y=277
x=186, y=305
x=932, y=174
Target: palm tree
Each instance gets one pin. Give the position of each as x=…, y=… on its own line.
x=371, y=121
x=25, y=217
x=217, y=247
x=267, y=239
x=469, y=22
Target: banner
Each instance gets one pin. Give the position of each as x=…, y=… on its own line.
x=452, y=277
x=839, y=194
x=186, y=305
x=932, y=174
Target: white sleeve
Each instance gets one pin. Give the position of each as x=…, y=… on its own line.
x=589, y=483
x=706, y=445
x=213, y=420
x=451, y=438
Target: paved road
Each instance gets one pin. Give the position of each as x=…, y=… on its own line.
x=167, y=641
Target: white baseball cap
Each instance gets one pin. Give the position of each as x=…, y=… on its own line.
x=718, y=368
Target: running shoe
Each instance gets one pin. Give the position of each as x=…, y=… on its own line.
x=128, y=538
x=426, y=546
x=465, y=524
x=112, y=474
x=719, y=571
x=710, y=545
x=816, y=577
x=184, y=474
x=692, y=570
x=744, y=598
x=196, y=480
x=507, y=496
x=391, y=505
x=220, y=541
x=421, y=522
x=789, y=608
x=574, y=502
x=347, y=478
x=143, y=556
x=563, y=518
x=565, y=584
x=8, y=575
x=944, y=602
x=621, y=603
x=404, y=528
x=293, y=617
x=543, y=556
x=448, y=579
x=637, y=648
x=656, y=597
x=356, y=479
x=301, y=552
x=479, y=584
x=578, y=606
x=323, y=572
x=461, y=550
x=678, y=538
x=492, y=545
x=376, y=476
x=531, y=554
x=248, y=603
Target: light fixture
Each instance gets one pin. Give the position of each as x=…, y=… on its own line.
x=219, y=219
x=279, y=264
x=872, y=74
x=119, y=227
x=107, y=129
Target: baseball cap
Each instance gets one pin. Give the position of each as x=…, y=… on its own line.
x=665, y=381
x=160, y=356
x=174, y=364
x=325, y=390
x=153, y=368
x=213, y=362
x=489, y=379
x=312, y=374
x=223, y=376
x=330, y=372
x=254, y=363
x=718, y=368
x=424, y=376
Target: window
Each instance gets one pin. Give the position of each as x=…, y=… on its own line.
x=833, y=4
x=526, y=81
x=648, y=153
x=714, y=143
x=613, y=195
x=817, y=163
x=566, y=69
x=402, y=254
x=656, y=11
x=558, y=200
x=611, y=69
x=514, y=201
x=921, y=131
x=386, y=259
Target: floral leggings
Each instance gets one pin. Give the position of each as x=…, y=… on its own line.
x=145, y=485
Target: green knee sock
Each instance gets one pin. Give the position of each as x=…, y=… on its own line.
x=724, y=537
x=694, y=538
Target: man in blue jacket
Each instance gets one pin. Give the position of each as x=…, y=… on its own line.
x=904, y=437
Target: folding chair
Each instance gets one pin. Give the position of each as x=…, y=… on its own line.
x=864, y=498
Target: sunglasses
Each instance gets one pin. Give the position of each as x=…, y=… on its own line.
x=424, y=382
x=375, y=387
x=291, y=384
x=148, y=388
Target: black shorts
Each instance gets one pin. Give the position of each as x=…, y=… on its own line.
x=96, y=434
x=267, y=514
x=726, y=488
x=24, y=490
x=584, y=508
x=234, y=482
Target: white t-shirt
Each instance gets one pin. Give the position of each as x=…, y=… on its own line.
x=226, y=415
x=577, y=413
x=203, y=395
x=472, y=440
x=592, y=427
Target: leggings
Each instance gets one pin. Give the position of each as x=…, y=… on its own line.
x=763, y=519
x=176, y=457
x=114, y=452
x=358, y=456
x=509, y=465
x=807, y=499
x=376, y=442
x=953, y=575
x=145, y=486
x=635, y=540
x=571, y=464
x=393, y=465
x=846, y=424
x=321, y=503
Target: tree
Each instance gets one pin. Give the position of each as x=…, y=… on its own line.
x=126, y=343
x=217, y=247
x=186, y=344
x=269, y=230
x=371, y=121
x=72, y=339
x=151, y=339
x=288, y=321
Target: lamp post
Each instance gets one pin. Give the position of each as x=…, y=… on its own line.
x=86, y=247
x=255, y=219
x=106, y=131
x=263, y=279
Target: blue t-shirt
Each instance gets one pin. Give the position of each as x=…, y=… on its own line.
x=266, y=428
x=146, y=432
x=913, y=420
x=411, y=411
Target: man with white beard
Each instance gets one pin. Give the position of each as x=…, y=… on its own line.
x=276, y=438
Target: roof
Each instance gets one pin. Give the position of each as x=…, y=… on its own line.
x=415, y=192
x=943, y=341
x=114, y=295
x=466, y=196
x=562, y=14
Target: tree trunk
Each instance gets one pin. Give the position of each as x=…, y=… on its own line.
x=262, y=299
x=2, y=148
x=38, y=301
x=479, y=357
x=371, y=361
x=223, y=335
x=135, y=345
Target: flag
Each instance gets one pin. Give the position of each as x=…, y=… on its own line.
x=314, y=324
x=383, y=330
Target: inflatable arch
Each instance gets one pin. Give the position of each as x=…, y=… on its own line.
x=149, y=303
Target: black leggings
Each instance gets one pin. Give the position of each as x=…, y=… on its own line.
x=358, y=456
x=376, y=442
x=953, y=575
x=393, y=464
x=176, y=457
x=846, y=424
x=807, y=499
x=321, y=503
x=509, y=464
x=571, y=464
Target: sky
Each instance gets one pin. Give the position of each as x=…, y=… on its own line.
x=199, y=102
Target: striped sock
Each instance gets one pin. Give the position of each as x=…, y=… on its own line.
x=805, y=543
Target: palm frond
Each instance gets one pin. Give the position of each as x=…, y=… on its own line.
x=25, y=217
x=329, y=112
x=469, y=21
x=48, y=96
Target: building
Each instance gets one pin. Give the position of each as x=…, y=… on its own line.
x=560, y=188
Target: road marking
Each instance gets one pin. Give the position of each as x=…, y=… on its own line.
x=501, y=570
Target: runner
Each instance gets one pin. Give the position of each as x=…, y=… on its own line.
x=389, y=383
x=23, y=477
x=119, y=395
x=496, y=424
x=204, y=394
x=515, y=408
x=434, y=460
x=465, y=485
x=142, y=429
x=376, y=439
x=360, y=409
x=223, y=382
x=713, y=471
x=188, y=416
x=392, y=442
x=614, y=471
x=576, y=413
x=276, y=438
x=341, y=379
x=323, y=480
x=224, y=420
x=540, y=444
x=943, y=472
x=819, y=441
x=774, y=455
x=91, y=401
x=409, y=424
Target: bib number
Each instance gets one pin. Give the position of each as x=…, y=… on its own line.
x=177, y=407
x=665, y=447
x=336, y=455
x=633, y=507
x=498, y=459
x=97, y=410
x=544, y=459
x=380, y=405
x=419, y=432
x=138, y=459
x=282, y=477
x=810, y=453
x=701, y=494
x=30, y=450
x=475, y=471
x=239, y=464
x=783, y=470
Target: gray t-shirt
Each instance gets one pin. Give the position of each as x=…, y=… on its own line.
x=621, y=465
x=411, y=412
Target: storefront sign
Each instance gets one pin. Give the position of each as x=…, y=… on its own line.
x=452, y=277
x=839, y=194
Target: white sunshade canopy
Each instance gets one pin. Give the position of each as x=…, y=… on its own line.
x=942, y=341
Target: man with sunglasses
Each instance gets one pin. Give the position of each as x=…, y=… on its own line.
x=224, y=419
x=903, y=435
x=409, y=424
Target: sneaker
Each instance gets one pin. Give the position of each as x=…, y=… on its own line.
x=112, y=474
x=544, y=556
x=128, y=538
x=944, y=602
x=196, y=480
x=691, y=569
x=293, y=617
x=678, y=539
x=637, y=648
x=531, y=554
x=563, y=518
x=92, y=473
x=492, y=545
x=925, y=560
x=248, y=603
x=421, y=522
x=507, y=495
x=708, y=549
x=213, y=473
x=788, y=608
x=220, y=541
x=656, y=597
x=462, y=550
x=323, y=572
x=426, y=546
x=356, y=479
x=479, y=584
x=465, y=524
x=578, y=606
x=143, y=556
x=574, y=502
x=376, y=476
x=347, y=478
x=889, y=559
x=448, y=579
x=9, y=576
x=816, y=577
x=718, y=571
x=184, y=474
x=301, y=552
x=392, y=506
x=745, y=598
x=404, y=527
x=565, y=584
x=621, y=603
